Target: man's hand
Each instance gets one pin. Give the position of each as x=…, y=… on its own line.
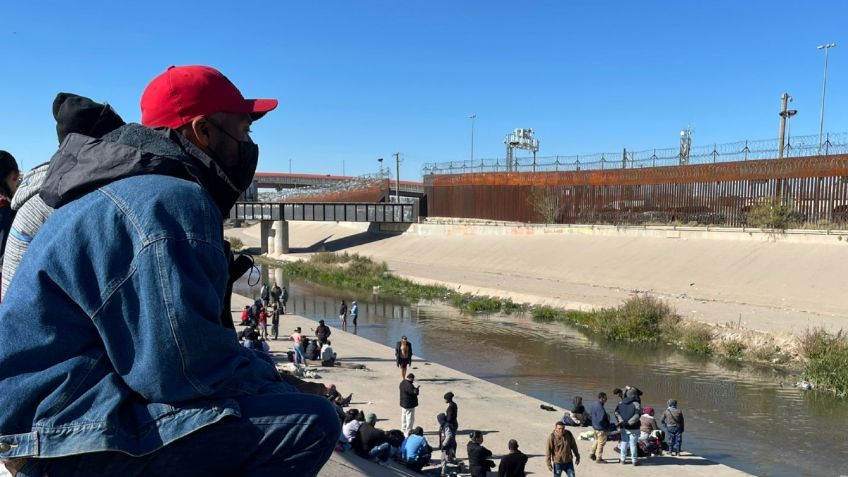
x=550, y=467
x=577, y=460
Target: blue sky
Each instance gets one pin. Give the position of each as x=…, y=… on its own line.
x=358, y=80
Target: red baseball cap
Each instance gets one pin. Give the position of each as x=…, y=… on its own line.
x=183, y=93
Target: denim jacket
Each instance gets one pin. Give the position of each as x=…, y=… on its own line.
x=110, y=337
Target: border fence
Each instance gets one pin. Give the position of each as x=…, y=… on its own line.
x=798, y=146
x=719, y=187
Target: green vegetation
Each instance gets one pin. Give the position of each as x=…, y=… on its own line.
x=641, y=319
x=774, y=213
x=827, y=360
x=235, y=243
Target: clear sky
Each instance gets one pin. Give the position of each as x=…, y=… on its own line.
x=359, y=79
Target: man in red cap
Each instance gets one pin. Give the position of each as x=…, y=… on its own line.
x=136, y=369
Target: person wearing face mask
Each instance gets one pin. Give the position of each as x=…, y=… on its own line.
x=135, y=369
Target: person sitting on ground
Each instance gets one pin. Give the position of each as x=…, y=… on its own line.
x=371, y=442
x=328, y=356
x=311, y=348
x=512, y=464
x=335, y=397
x=415, y=451
x=672, y=420
x=322, y=331
x=264, y=346
x=577, y=415
x=647, y=423
x=447, y=442
x=353, y=419
x=560, y=449
x=478, y=456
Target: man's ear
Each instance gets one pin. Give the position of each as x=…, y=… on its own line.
x=198, y=128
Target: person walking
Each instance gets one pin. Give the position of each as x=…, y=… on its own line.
x=672, y=420
x=265, y=294
x=559, y=451
x=408, y=403
x=343, y=313
x=276, y=292
x=627, y=414
x=275, y=322
x=601, y=425
x=512, y=464
x=285, y=300
x=145, y=207
x=403, y=355
x=354, y=312
x=297, y=338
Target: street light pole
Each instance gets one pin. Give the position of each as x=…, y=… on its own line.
x=289, y=165
x=380, y=160
x=472, y=118
x=825, y=47
x=397, y=182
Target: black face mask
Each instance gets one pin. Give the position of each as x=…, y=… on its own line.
x=240, y=175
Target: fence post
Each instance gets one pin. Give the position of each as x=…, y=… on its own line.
x=746, y=150
x=715, y=153
x=602, y=162
x=654, y=159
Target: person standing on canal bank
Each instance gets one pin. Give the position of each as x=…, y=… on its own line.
x=672, y=420
x=134, y=370
x=276, y=292
x=343, y=313
x=322, y=332
x=265, y=294
x=601, y=425
x=403, y=355
x=354, y=312
x=627, y=414
x=559, y=450
x=285, y=299
x=408, y=403
x=9, y=177
x=512, y=464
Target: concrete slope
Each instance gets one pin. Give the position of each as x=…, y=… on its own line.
x=769, y=285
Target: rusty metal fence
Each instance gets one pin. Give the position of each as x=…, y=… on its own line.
x=720, y=193
x=798, y=146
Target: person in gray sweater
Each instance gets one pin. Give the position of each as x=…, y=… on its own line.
x=73, y=114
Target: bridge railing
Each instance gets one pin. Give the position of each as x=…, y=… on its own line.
x=326, y=212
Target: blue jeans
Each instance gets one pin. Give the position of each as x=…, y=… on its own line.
x=629, y=438
x=381, y=451
x=568, y=467
x=298, y=354
x=277, y=434
x=675, y=438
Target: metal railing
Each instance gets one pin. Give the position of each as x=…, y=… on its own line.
x=797, y=146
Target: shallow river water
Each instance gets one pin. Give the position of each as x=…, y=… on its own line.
x=751, y=419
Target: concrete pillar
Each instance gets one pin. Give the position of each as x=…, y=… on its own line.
x=281, y=237
x=278, y=277
x=264, y=232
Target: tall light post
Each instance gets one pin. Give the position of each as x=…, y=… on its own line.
x=825, y=47
x=380, y=161
x=472, y=118
x=289, y=165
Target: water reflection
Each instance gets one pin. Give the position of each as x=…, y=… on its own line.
x=748, y=418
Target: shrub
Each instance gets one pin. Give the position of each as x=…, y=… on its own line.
x=697, y=338
x=773, y=213
x=640, y=318
x=733, y=349
x=235, y=243
x=827, y=360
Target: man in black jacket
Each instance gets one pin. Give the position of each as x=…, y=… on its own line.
x=627, y=413
x=408, y=403
x=512, y=464
x=370, y=442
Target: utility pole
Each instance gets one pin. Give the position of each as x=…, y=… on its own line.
x=826, y=47
x=784, y=100
x=289, y=165
x=397, y=182
x=472, y=118
x=343, y=167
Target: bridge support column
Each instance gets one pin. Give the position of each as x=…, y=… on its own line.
x=281, y=237
x=264, y=235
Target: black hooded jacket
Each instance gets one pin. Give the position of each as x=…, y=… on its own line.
x=83, y=164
